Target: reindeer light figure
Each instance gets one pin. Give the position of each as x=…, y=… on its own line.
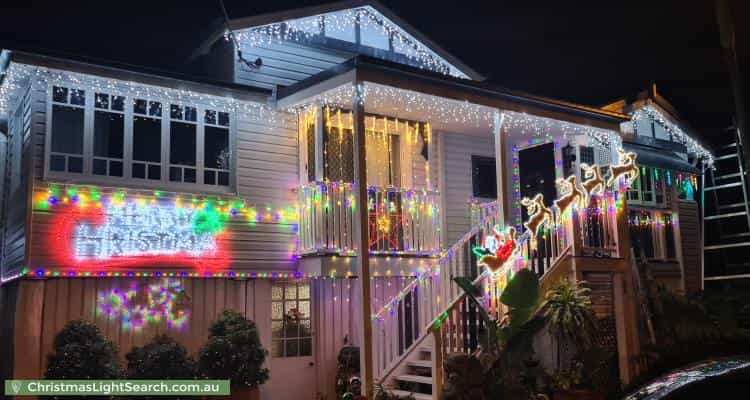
x=539, y=214
x=627, y=168
x=594, y=183
x=572, y=196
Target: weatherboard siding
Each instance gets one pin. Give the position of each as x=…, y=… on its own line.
x=456, y=168
x=284, y=63
x=266, y=173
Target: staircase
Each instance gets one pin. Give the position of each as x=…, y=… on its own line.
x=412, y=334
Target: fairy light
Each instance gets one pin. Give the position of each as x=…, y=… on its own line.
x=366, y=18
x=19, y=76
x=651, y=114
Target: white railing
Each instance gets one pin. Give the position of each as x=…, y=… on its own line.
x=401, y=221
x=403, y=320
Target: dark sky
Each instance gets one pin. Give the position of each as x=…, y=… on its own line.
x=588, y=52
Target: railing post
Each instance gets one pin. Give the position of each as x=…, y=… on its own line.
x=576, y=233
x=437, y=363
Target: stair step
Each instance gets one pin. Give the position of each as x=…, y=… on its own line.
x=420, y=363
x=405, y=394
x=425, y=349
x=427, y=380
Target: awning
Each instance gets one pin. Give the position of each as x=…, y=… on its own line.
x=660, y=158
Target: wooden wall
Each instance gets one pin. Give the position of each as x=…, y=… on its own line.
x=284, y=63
x=690, y=234
x=456, y=167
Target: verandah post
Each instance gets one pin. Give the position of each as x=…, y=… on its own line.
x=497, y=127
x=362, y=232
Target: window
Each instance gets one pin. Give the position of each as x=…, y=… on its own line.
x=108, y=135
x=652, y=234
x=216, y=155
x=66, y=152
x=291, y=332
x=649, y=188
x=484, y=177
x=183, y=132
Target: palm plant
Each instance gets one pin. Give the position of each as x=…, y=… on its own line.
x=568, y=311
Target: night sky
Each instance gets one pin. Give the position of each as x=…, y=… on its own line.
x=590, y=53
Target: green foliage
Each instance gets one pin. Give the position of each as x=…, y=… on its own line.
x=567, y=379
x=162, y=358
x=522, y=290
x=567, y=308
x=233, y=351
x=80, y=351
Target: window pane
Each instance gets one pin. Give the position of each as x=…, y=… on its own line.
x=210, y=117
x=304, y=309
x=189, y=175
x=483, y=177
x=277, y=311
x=139, y=106
x=305, y=347
x=175, y=174
x=182, y=143
x=190, y=114
x=75, y=164
x=224, y=119
x=101, y=100
x=146, y=139
x=224, y=178
x=60, y=94
x=277, y=329
x=154, y=108
x=290, y=292
x=118, y=103
x=77, y=97
x=139, y=170
x=175, y=111
x=277, y=292
x=109, y=131
x=290, y=306
x=115, y=168
x=100, y=167
x=67, y=129
x=154, y=172
x=303, y=290
x=209, y=177
x=292, y=348
x=57, y=163
x=216, y=148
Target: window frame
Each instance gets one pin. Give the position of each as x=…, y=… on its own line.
x=283, y=338
x=88, y=177
x=636, y=189
x=658, y=233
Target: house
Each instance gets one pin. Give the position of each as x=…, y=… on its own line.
x=337, y=170
x=664, y=203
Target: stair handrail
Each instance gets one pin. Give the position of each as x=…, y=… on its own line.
x=431, y=270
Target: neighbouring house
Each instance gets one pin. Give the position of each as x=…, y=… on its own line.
x=148, y=201
x=664, y=202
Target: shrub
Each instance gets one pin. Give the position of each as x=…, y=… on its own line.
x=233, y=351
x=81, y=352
x=162, y=358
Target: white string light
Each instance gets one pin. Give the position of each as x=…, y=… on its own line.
x=346, y=21
x=651, y=114
x=20, y=76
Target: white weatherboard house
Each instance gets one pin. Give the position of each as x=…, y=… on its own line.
x=337, y=175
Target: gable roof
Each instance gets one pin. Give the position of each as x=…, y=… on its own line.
x=304, y=12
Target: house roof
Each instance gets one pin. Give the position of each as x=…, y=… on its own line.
x=141, y=74
x=271, y=17
x=482, y=93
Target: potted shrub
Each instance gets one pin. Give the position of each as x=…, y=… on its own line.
x=162, y=358
x=80, y=351
x=233, y=351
